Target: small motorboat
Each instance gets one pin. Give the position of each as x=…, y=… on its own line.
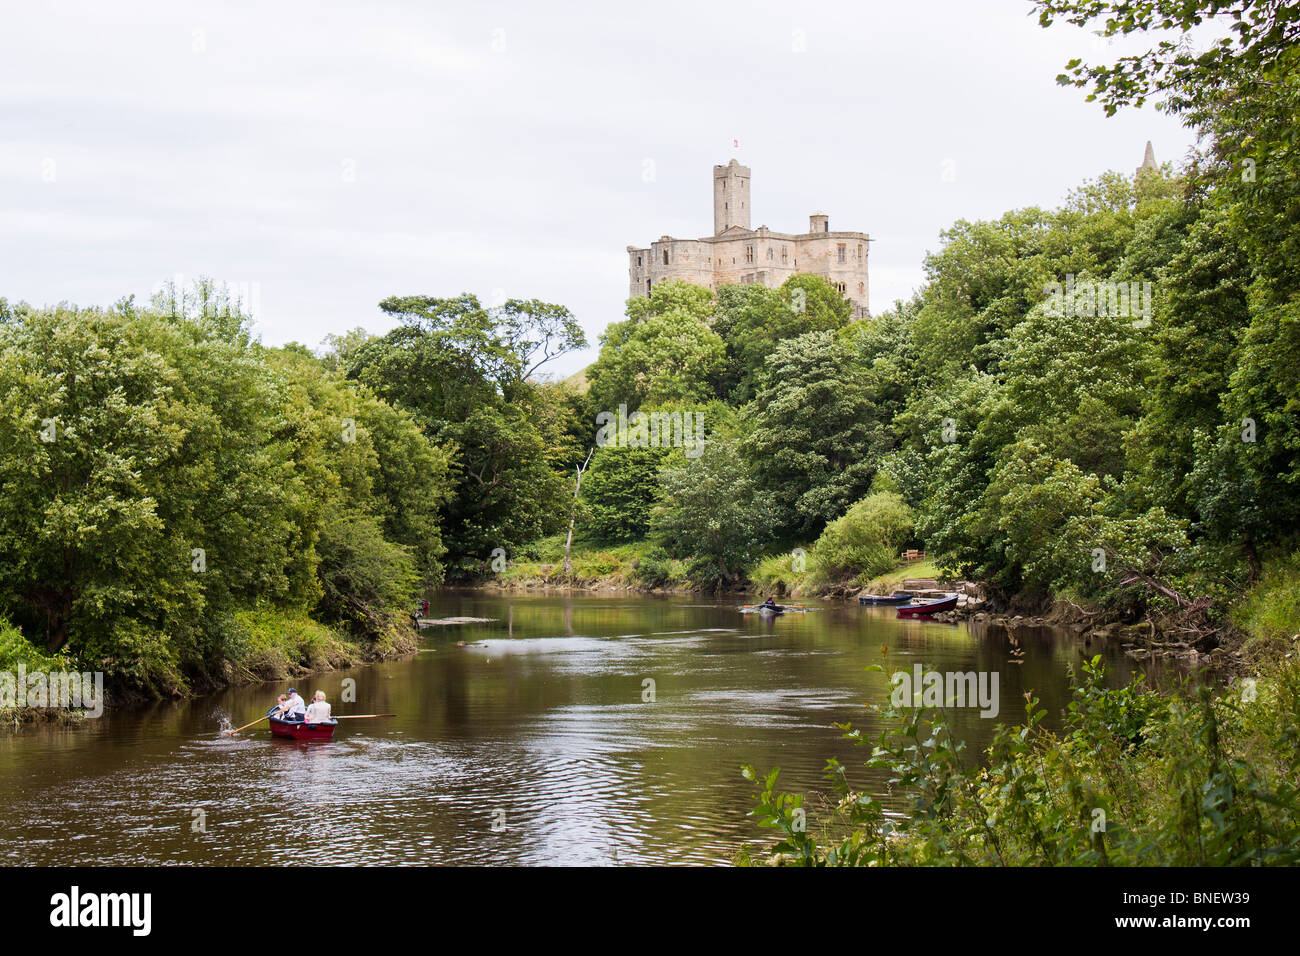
x=301, y=730
x=898, y=597
x=928, y=607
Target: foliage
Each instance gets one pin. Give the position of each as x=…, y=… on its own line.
x=620, y=490
x=1270, y=614
x=752, y=318
x=712, y=510
x=1133, y=778
x=161, y=472
x=664, y=353
x=815, y=432
x=15, y=649
x=866, y=539
x=462, y=371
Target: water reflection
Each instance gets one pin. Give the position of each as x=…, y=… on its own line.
x=532, y=743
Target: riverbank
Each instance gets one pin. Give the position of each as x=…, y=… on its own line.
x=1263, y=624
x=637, y=566
x=264, y=646
x=550, y=701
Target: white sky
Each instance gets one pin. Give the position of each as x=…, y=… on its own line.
x=325, y=155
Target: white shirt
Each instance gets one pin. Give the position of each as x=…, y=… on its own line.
x=317, y=711
x=295, y=705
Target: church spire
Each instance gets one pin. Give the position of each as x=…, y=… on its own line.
x=1148, y=161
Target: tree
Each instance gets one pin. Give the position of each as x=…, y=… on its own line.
x=752, y=318
x=664, y=353
x=463, y=372
x=1265, y=32
x=865, y=540
x=160, y=472
x=621, y=490
x=713, y=511
x=815, y=431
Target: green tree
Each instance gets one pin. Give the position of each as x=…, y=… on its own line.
x=664, y=353
x=815, y=430
x=463, y=371
x=620, y=490
x=713, y=512
x=865, y=539
x=752, y=318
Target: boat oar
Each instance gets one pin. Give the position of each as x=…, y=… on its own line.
x=246, y=726
x=360, y=716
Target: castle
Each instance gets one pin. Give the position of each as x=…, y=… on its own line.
x=737, y=254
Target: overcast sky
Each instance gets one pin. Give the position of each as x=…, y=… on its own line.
x=325, y=155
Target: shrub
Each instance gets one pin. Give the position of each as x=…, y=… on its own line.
x=865, y=540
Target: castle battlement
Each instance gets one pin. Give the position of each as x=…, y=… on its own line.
x=738, y=254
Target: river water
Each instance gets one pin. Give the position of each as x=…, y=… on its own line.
x=529, y=740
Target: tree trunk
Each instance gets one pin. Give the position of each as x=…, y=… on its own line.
x=573, y=513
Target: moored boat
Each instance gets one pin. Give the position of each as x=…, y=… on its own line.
x=300, y=730
x=898, y=597
x=928, y=607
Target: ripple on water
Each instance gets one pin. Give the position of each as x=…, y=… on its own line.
x=537, y=749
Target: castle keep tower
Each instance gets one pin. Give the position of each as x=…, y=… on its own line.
x=739, y=254
x=730, y=197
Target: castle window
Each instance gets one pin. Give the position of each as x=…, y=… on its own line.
x=647, y=286
x=859, y=250
x=749, y=253
x=839, y=252
x=783, y=254
x=771, y=254
x=638, y=262
x=665, y=257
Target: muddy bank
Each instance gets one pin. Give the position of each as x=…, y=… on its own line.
x=1141, y=639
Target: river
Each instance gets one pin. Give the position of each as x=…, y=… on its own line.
x=575, y=729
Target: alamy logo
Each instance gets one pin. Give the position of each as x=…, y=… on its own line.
x=1086, y=297
x=676, y=429
x=922, y=688
x=65, y=690
x=102, y=909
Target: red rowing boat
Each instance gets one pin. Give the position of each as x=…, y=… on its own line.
x=928, y=607
x=298, y=730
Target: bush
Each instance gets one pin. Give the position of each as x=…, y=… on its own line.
x=16, y=649
x=273, y=644
x=865, y=541
x=657, y=569
x=1195, y=779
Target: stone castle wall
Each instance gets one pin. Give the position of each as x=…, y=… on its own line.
x=737, y=254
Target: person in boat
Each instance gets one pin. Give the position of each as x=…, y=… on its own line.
x=769, y=603
x=424, y=607
x=296, y=707
x=280, y=706
x=318, y=710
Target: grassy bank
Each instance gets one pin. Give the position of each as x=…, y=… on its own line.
x=781, y=574
x=1268, y=616
x=636, y=565
x=272, y=644
x=16, y=650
